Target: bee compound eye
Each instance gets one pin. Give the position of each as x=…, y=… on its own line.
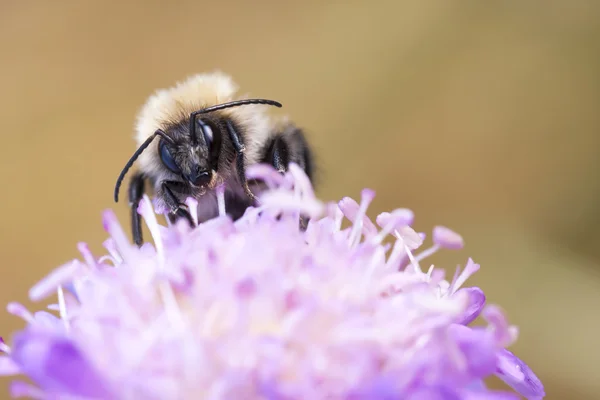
x=167, y=158
x=207, y=132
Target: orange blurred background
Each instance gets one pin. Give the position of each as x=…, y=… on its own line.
x=479, y=116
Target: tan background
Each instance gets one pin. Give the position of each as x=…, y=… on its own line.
x=484, y=118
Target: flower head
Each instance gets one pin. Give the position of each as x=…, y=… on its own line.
x=258, y=308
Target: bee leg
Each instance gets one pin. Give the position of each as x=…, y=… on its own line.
x=288, y=146
x=136, y=192
x=239, y=148
x=177, y=210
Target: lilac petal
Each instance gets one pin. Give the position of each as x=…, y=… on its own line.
x=433, y=393
x=401, y=216
x=350, y=209
x=56, y=278
x=461, y=277
x=410, y=237
x=266, y=173
x=3, y=346
x=478, y=349
x=301, y=181
x=8, y=366
x=47, y=320
x=111, y=247
x=85, y=251
x=286, y=201
x=447, y=238
x=489, y=395
x=115, y=230
x=476, y=303
x=516, y=374
x=19, y=310
x=56, y=364
x=19, y=389
x=384, y=388
x=505, y=334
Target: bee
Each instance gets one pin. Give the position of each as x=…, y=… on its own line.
x=197, y=135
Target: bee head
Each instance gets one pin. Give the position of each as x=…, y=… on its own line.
x=192, y=151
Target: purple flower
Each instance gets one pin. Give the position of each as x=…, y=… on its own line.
x=257, y=308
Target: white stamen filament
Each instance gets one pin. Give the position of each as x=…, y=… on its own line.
x=357, y=229
x=396, y=256
x=377, y=259
x=106, y=258
x=413, y=262
x=172, y=310
x=4, y=348
x=221, y=199
x=153, y=226
x=62, y=308
x=192, y=204
x=430, y=271
x=427, y=252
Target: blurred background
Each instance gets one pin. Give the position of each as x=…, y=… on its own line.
x=479, y=116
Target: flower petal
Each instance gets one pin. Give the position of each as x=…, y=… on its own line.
x=516, y=374
x=447, y=238
x=8, y=366
x=56, y=364
x=19, y=389
x=478, y=348
x=50, y=283
x=401, y=216
x=350, y=208
x=476, y=304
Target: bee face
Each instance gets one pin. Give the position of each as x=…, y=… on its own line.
x=193, y=157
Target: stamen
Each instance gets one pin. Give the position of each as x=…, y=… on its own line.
x=192, y=205
x=397, y=255
x=269, y=175
x=427, y=252
x=469, y=270
x=350, y=208
x=301, y=181
x=56, y=278
x=111, y=259
x=366, y=196
x=87, y=254
x=109, y=245
x=146, y=211
x=447, y=238
x=4, y=348
x=172, y=309
x=413, y=262
x=221, y=199
x=62, y=307
x=338, y=219
x=121, y=241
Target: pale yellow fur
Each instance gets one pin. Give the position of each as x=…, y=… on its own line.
x=194, y=93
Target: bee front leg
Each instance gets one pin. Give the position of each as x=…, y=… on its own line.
x=238, y=146
x=177, y=210
x=136, y=192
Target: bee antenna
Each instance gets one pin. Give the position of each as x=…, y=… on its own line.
x=222, y=106
x=135, y=156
